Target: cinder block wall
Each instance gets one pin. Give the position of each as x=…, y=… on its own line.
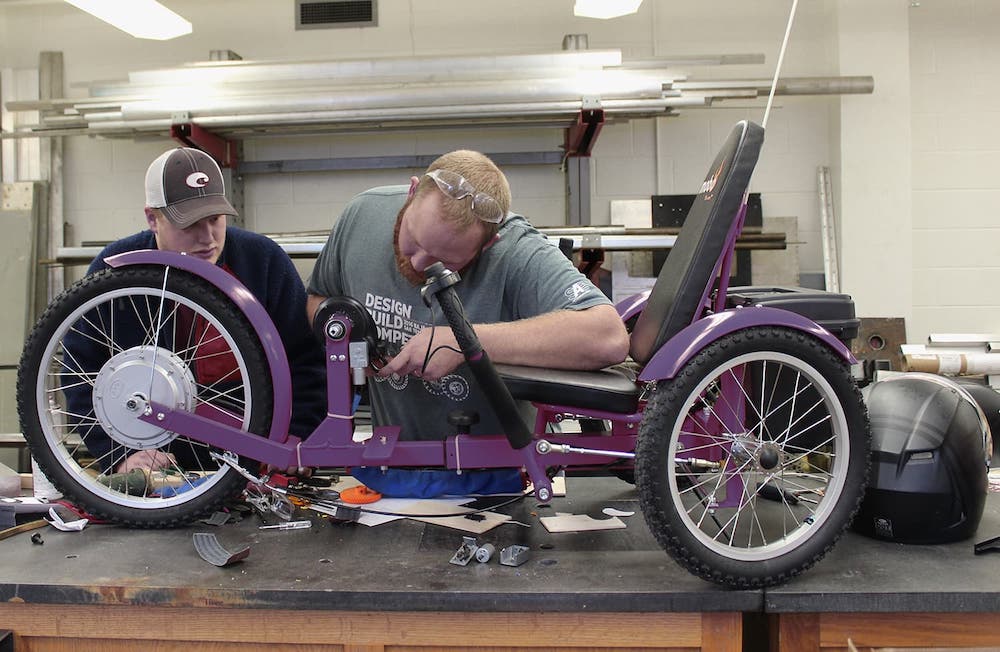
x=932, y=264
x=631, y=160
x=954, y=56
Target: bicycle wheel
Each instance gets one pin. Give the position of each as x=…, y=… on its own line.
x=106, y=347
x=752, y=462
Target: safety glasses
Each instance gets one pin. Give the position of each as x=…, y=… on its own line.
x=458, y=187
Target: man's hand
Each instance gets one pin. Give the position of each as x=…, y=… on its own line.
x=148, y=459
x=410, y=360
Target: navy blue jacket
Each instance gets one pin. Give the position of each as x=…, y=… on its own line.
x=261, y=265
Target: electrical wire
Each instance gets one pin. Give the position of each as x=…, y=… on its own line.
x=430, y=353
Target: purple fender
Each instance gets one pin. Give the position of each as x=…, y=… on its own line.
x=632, y=305
x=274, y=351
x=683, y=346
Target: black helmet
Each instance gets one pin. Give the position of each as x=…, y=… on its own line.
x=931, y=449
x=988, y=400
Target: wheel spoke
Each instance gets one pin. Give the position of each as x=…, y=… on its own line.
x=755, y=439
x=122, y=336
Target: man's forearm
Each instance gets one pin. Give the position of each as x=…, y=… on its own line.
x=567, y=339
x=313, y=302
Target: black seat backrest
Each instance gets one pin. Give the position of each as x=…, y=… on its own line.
x=676, y=297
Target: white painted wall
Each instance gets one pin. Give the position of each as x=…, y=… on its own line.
x=954, y=58
x=931, y=63
x=632, y=160
x=874, y=151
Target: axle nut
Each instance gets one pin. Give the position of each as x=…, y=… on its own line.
x=335, y=330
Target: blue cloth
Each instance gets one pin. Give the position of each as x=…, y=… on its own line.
x=431, y=483
x=170, y=492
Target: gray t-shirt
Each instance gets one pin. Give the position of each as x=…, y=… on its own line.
x=523, y=274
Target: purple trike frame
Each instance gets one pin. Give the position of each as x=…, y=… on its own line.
x=332, y=444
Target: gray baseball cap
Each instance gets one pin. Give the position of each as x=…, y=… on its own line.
x=186, y=184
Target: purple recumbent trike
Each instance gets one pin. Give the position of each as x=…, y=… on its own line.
x=742, y=428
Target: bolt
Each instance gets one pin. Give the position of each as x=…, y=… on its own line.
x=160, y=416
x=132, y=404
x=543, y=494
x=543, y=447
x=335, y=330
x=341, y=358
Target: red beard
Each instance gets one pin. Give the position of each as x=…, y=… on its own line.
x=402, y=262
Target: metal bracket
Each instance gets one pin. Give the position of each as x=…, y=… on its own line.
x=514, y=555
x=582, y=134
x=469, y=550
x=465, y=552
x=191, y=135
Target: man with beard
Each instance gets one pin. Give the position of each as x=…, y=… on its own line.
x=528, y=303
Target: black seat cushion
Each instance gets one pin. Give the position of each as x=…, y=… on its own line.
x=612, y=389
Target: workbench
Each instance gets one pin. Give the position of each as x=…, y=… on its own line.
x=892, y=595
x=367, y=589
x=341, y=586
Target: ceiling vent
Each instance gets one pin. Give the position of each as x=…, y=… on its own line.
x=322, y=14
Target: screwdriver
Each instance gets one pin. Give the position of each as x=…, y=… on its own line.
x=291, y=525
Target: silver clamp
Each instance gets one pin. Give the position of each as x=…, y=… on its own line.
x=514, y=555
x=469, y=550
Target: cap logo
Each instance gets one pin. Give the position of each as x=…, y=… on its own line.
x=197, y=180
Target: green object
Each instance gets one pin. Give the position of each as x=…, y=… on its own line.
x=133, y=483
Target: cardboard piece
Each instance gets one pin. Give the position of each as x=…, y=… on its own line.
x=476, y=525
x=563, y=522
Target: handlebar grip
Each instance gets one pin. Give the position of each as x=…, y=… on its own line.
x=454, y=313
x=496, y=392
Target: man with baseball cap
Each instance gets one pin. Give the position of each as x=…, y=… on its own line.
x=186, y=205
x=186, y=209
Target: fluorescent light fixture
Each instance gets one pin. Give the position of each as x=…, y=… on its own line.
x=140, y=18
x=605, y=8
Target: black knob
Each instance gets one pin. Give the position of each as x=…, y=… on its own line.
x=463, y=420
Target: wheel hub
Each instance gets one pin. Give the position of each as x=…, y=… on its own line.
x=132, y=378
x=769, y=456
x=766, y=455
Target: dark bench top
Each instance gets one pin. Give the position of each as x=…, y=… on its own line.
x=399, y=566
x=865, y=575
x=403, y=566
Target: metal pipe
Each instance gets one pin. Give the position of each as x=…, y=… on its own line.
x=617, y=86
x=359, y=70
x=789, y=85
